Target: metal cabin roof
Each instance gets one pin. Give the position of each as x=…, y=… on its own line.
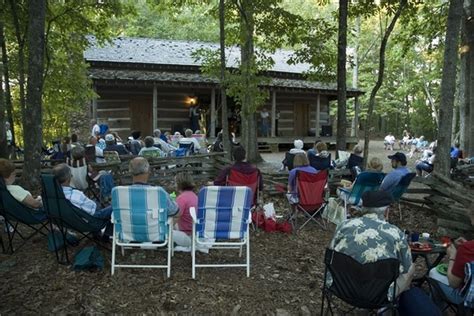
x=174, y=52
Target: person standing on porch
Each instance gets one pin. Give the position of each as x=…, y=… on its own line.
x=265, y=118
x=194, y=117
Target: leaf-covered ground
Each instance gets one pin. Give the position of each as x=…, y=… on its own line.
x=286, y=277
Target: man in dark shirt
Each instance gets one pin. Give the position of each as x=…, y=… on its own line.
x=240, y=165
x=110, y=145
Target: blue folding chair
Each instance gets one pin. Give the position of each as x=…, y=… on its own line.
x=222, y=222
x=365, y=181
x=401, y=188
x=15, y=213
x=66, y=216
x=140, y=218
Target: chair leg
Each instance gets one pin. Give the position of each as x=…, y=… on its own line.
x=248, y=256
x=193, y=255
x=112, y=265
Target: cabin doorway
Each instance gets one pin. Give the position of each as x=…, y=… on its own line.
x=301, y=119
x=141, y=112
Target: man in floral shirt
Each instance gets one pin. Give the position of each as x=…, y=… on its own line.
x=370, y=238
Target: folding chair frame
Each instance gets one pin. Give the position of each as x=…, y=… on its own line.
x=310, y=216
x=12, y=220
x=63, y=227
x=144, y=245
x=327, y=292
x=220, y=245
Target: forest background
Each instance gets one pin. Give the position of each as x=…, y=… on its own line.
x=409, y=98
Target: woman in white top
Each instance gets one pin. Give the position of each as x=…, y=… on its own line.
x=7, y=172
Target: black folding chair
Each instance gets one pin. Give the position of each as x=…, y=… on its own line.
x=360, y=285
x=288, y=161
x=320, y=163
x=65, y=215
x=16, y=213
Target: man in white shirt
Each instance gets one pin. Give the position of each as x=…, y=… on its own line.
x=189, y=139
x=389, y=141
x=95, y=128
x=163, y=144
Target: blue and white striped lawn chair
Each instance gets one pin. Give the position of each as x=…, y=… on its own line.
x=140, y=219
x=222, y=221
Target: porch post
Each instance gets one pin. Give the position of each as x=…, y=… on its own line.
x=212, y=124
x=94, y=105
x=318, y=115
x=273, y=112
x=155, y=107
x=355, y=121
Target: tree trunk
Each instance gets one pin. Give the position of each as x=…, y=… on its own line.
x=21, y=55
x=225, y=122
x=378, y=84
x=469, y=23
x=355, y=79
x=463, y=104
x=448, y=87
x=32, y=123
x=341, y=77
x=247, y=55
x=3, y=137
x=6, y=76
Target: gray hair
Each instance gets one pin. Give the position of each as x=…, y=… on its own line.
x=188, y=133
x=156, y=133
x=62, y=173
x=138, y=166
x=78, y=152
x=379, y=211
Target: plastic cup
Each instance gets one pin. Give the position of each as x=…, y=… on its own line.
x=415, y=237
x=425, y=236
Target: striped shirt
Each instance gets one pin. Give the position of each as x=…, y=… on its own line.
x=80, y=200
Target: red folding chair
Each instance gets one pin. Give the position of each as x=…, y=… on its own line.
x=251, y=180
x=310, y=189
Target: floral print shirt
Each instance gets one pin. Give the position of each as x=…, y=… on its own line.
x=369, y=239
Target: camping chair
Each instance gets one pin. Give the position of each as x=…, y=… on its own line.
x=360, y=285
x=89, y=153
x=365, y=181
x=15, y=213
x=252, y=181
x=310, y=189
x=288, y=161
x=140, y=219
x=354, y=164
x=320, y=163
x=401, y=188
x=221, y=221
x=65, y=215
x=189, y=147
x=112, y=157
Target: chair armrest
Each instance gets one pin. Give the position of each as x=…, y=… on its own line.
x=192, y=212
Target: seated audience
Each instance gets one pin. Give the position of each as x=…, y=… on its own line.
x=63, y=175
x=456, y=152
x=426, y=163
x=313, y=151
x=459, y=253
x=162, y=142
x=189, y=139
x=112, y=146
x=99, y=153
x=418, y=145
x=405, y=141
x=150, y=151
x=374, y=165
x=297, y=149
x=140, y=170
x=218, y=145
x=240, y=165
x=135, y=143
x=389, y=141
x=79, y=168
x=399, y=165
x=118, y=140
x=320, y=158
x=371, y=238
x=300, y=163
x=8, y=173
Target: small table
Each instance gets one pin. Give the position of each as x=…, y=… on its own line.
x=439, y=251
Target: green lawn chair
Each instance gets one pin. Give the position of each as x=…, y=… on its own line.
x=15, y=214
x=66, y=216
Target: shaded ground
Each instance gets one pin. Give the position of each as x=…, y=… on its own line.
x=286, y=275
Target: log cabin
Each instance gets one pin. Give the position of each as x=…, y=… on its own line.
x=144, y=84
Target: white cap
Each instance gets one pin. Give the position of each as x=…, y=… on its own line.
x=109, y=138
